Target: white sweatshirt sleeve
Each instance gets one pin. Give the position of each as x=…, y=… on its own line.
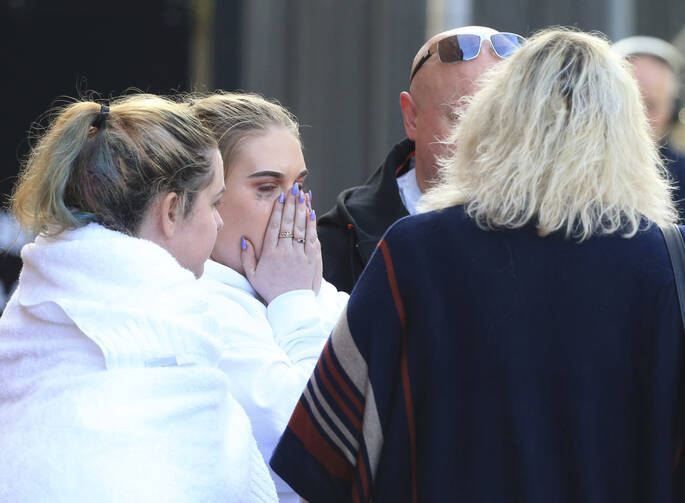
x=300, y=320
x=331, y=303
x=296, y=325
x=269, y=361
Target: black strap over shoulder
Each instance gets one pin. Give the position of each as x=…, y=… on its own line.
x=676, y=252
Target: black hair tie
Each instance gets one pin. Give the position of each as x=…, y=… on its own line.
x=101, y=117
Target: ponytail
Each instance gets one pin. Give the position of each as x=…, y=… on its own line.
x=39, y=196
x=100, y=165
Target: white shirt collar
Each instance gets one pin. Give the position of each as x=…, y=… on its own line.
x=410, y=193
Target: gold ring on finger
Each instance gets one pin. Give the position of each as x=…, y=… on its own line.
x=285, y=235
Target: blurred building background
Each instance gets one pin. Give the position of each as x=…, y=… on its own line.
x=339, y=66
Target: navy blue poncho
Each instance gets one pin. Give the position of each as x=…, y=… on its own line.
x=496, y=366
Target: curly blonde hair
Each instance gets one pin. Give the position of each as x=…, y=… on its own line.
x=557, y=136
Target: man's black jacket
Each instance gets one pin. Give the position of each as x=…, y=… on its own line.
x=350, y=231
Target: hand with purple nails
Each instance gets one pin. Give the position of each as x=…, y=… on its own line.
x=291, y=254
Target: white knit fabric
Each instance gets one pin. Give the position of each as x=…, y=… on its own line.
x=270, y=351
x=109, y=386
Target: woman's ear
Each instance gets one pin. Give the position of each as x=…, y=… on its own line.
x=168, y=213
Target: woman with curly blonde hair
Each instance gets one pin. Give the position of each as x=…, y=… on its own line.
x=562, y=142
x=523, y=341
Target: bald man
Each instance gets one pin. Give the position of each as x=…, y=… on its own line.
x=445, y=69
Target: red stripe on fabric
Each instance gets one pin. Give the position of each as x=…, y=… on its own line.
x=341, y=382
x=361, y=468
x=392, y=281
x=355, y=495
x=390, y=271
x=338, y=399
x=410, y=413
x=401, y=166
x=303, y=428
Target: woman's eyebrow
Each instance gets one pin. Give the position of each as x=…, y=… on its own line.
x=273, y=174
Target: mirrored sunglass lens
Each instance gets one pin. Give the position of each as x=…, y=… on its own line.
x=449, y=50
x=470, y=46
x=458, y=48
x=505, y=44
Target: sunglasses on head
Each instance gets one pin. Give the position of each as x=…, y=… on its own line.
x=462, y=47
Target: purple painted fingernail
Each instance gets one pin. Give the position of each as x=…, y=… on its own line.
x=312, y=215
x=310, y=196
x=309, y=206
x=301, y=197
x=296, y=189
x=243, y=244
x=281, y=198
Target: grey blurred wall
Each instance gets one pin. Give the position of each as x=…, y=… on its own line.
x=659, y=18
x=527, y=16
x=615, y=18
x=340, y=67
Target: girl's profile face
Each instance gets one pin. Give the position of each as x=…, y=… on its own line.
x=196, y=232
x=264, y=166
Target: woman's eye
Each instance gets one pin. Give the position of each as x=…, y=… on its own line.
x=265, y=189
x=219, y=203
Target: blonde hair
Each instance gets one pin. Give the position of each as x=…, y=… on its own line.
x=557, y=136
x=232, y=117
x=94, y=164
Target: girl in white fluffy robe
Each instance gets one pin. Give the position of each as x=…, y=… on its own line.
x=110, y=387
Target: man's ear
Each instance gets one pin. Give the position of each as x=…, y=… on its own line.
x=168, y=213
x=408, y=106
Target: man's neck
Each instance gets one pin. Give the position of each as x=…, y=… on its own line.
x=421, y=178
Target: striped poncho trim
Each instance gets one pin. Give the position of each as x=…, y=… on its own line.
x=337, y=421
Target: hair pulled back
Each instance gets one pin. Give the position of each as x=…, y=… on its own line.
x=107, y=164
x=232, y=117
